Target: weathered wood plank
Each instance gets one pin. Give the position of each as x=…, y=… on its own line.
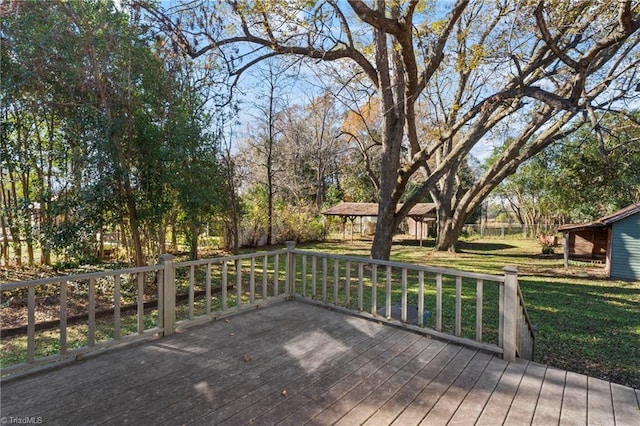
x=626, y=407
x=390, y=366
x=335, y=368
x=550, y=400
x=331, y=387
x=383, y=393
x=323, y=359
x=394, y=406
x=599, y=403
x=447, y=405
x=473, y=404
x=430, y=395
x=237, y=393
x=524, y=403
x=498, y=405
x=574, y=400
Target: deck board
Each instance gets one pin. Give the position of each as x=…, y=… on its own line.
x=292, y=364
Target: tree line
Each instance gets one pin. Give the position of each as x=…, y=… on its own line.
x=103, y=128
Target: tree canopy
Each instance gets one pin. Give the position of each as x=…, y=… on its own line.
x=448, y=76
x=101, y=127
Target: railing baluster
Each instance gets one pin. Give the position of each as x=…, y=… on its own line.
x=140, y=300
x=160, y=280
x=347, y=284
x=360, y=286
x=191, y=291
x=92, y=312
x=31, y=324
x=324, y=279
x=374, y=285
x=313, y=276
x=501, y=315
x=238, y=283
x=304, y=275
x=403, y=302
x=223, y=290
x=252, y=281
x=207, y=289
x=479, y=301
x=336, y=280
x=438, y=302
x=276, y=269
x=458, y=305
x=421, y=298
x=265, y=269
x=63, y=317
x=116, y=309
x=388, y=293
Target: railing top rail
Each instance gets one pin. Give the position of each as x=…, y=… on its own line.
x=431, y=269
x=221, y=259
x=78, y=277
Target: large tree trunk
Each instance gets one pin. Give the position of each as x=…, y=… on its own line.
x=393, y=104
x=193, y=236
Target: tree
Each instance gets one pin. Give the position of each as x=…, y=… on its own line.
x=103, y=127
x=266, y=144
x=460, y=71
x=582, y=178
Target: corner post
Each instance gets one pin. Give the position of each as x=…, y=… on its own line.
x=509, y=313
x=290, y=266
x=168, y=301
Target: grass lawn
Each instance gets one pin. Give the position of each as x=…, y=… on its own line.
x=586, y=322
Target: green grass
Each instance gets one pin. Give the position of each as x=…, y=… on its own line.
x=586, y=322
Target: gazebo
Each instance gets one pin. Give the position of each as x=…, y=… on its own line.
x=420, y=213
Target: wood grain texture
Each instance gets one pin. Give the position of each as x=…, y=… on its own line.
x=293, y=363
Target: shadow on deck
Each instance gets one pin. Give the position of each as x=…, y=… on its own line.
x=295, y=363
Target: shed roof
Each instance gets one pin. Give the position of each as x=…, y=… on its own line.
x=605, y=221
x=420, y=210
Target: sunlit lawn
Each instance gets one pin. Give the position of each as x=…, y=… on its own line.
x=586, y=323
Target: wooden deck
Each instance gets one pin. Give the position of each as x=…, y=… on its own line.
x=293, y=363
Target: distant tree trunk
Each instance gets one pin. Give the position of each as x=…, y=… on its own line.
x=194, y=232
x=11, y=208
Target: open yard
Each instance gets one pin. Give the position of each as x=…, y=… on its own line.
x=586, y=322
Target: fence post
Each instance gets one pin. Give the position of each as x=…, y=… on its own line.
x=291, y=278
x=168, y=301
x=509, y=313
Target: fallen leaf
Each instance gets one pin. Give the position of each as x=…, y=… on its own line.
x=284, y=392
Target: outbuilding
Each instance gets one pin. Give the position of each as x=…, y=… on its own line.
x=421, y=213
x=613, y=239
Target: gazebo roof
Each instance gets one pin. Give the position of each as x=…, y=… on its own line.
x=420, y=210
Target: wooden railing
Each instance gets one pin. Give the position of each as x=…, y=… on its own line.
x=479, y=310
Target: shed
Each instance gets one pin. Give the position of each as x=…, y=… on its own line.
x=420, y=213
x=613, y=239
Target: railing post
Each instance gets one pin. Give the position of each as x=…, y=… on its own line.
x=291, y=277
x=168, y=294
x=509, y=313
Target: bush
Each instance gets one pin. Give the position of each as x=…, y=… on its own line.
x=300, y=224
